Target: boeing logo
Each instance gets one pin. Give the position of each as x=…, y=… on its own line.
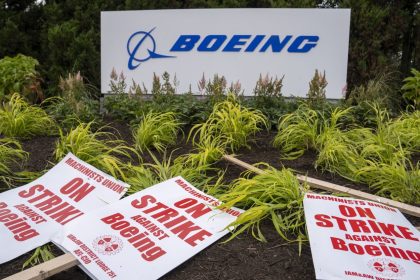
x=136, y=56
x=218, y=43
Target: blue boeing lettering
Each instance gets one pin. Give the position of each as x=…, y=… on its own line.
x=185, y=43
x=310, y=43
x=141, y=46
x=235, y=42
x=275, y=43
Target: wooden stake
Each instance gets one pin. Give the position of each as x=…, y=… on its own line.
x=46, y=269
x=319, y=184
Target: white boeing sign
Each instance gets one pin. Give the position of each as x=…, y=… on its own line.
x=239, y=44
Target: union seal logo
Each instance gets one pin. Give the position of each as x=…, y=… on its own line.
x=108, y=244
x=386, y=267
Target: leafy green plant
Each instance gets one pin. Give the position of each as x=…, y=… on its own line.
x=18, y=74
x=268, y=87
x=117, y=83
x=163, y=91
x=123, y=107
x=41, y=254
x=215, y=89
x=389, y=140
x=99, y=148
x=76, y=103
x=297, y=132
x=19, y=119
x=156, y=130
x=335, y=152
x=411, y=88
x=405, y=130
x=276, y=195
x=379, y=90
x=148, y=174
x=269, y=100
x=231, y=121
x=11, y=154
x=207, y=151
x=399, y=180
x=317, y=88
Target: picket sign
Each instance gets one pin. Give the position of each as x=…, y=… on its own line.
x=319, y=184
x=67, y=260
x=353, y=238
x=31, y=214
x=153, y=231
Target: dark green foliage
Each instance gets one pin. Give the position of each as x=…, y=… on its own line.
x=411, y=88
x=75, y=104
x=18, y=74
x=269, y=100
x=64, y=36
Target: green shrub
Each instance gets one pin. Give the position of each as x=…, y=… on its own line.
x=411, y=88
x=11, y=154
x=75, y=104
x=19, y=119
x=148, y=174
x=335, y=152
x=206, y=152
x=231, y=121
x=156, y=130
x=100, y=148
x=18, y=74
x=215, y=89
x=406, y=131
x=399, y=180
x=275, y=195
x=42, y=254
x=317, y=89
x=297, y=132
x=269, y=100
x=379, y=90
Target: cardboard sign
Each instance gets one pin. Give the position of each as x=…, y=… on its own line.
x=30, y=215
x=146, y=234
x=240, y=44
x=355, y=239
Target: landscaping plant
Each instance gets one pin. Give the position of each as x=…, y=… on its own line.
x=317, y=89
x=41, y=254
x=274, y=194
x=411, y=88
x=76, y=103
x=399, y=180
x=19, y=119
x=231, y=121
x=335, y=152
x=269, y=100
x=297, y=132
x=11, y=154
x=148, y=174
x=156, y=130
x=18, y=74
x=206, y=152
x=98, y=148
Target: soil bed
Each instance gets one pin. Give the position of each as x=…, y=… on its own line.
x=241, y=258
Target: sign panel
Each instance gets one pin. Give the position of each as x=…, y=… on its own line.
x=239, y=44
x=356, y=239
x=148, y=233
x=30, y=215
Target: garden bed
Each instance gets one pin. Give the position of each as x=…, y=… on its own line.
x=243, y=257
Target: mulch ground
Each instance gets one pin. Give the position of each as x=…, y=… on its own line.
x=243, y=257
